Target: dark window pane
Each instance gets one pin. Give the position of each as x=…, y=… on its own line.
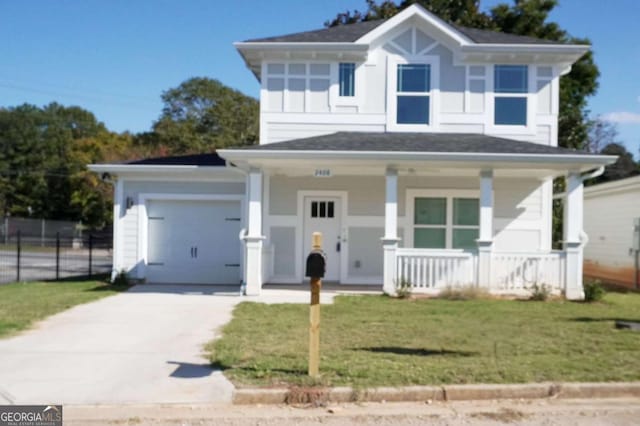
x=314, y=209
x=511, y=79
x=330, y=209
x=414, y=78
x=464, y=238
x=347, y=79
x=466, y=211
x=429, y=238
x=413, y=110
x=430, y=211
x=323, y=209
x=511, y=111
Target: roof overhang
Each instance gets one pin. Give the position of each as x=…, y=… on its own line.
x=509, y=53
x=169, y=172
x=539, y=164
x=254, y=53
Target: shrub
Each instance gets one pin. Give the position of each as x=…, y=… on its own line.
x=403, y=288
x=468, y=292
x=540, y=292
x=121, y=280
x=593, y=291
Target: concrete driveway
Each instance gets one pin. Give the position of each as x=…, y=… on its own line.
x=142, y=346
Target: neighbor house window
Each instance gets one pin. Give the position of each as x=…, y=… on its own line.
x=347, y=73
x=510, y=83
x=446, y=222
x=413, y=93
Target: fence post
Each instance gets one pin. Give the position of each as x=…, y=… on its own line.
x=18, y=250
x=42, y=232
x=90, y=254
x=57, y=256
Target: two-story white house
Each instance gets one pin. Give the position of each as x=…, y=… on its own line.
x=423, y=151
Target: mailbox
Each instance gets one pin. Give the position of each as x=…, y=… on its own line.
x=316, y=264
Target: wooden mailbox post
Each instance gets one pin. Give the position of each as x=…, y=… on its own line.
x=316, y=265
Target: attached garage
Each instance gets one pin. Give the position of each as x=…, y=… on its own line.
x=193, y=241
x=177, y=220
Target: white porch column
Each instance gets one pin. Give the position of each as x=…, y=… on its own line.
x=118, y=204
x=572, y=223
x=390, y=239
x=254, y=237
x=485, y=239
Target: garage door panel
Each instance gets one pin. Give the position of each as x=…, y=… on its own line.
x=194, y=242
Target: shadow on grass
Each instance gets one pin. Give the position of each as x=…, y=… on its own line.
x=607, y=319
x=217, y=365
x=415, y=351
x=81, y=278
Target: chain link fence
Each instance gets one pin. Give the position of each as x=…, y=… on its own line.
x=59, y=250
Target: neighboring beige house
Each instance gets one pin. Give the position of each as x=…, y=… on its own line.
x=612, y=223
x=420, y=149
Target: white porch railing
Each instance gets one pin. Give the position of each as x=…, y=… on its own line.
x=519, y=271
x=511, y=272
x=435, y=269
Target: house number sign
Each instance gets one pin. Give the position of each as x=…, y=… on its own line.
x=322, y=173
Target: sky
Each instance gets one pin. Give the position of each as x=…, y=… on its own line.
x=116, y=57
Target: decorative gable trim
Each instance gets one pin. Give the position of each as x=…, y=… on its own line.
x=420, y=12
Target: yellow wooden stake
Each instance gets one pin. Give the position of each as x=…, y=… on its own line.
x=314, y=316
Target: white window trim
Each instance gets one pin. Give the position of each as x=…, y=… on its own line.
x=334, y=90
x=286, y=75
x=532, y=105
x=392, y=94
x=449, y=194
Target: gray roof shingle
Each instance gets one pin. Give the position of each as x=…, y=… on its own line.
x=352, y=32
x=339, y=34
x=183, y=160
x=413, y=142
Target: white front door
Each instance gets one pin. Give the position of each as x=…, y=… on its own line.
x=193, y=242
x=322, y=214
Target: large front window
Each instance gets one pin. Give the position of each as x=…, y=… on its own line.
x=510, y=87
x=413, y=93
x=445, y=222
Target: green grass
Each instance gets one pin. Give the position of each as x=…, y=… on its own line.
x=375, y=340
x=22, y=304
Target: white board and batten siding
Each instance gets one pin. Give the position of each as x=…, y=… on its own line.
x=173, y=210
x=609, y=212
x=300, y=98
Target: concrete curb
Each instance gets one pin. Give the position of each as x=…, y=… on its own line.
x=437, y=393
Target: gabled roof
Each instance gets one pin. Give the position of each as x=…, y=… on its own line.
x=340, y=34
x=211, y=159
x=413, y=142
x=351, y=33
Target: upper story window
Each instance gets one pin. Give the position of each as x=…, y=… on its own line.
x=510, y=87
x=413, y=93
x=347, y=72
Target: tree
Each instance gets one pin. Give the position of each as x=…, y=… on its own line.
x=201, y=115
x=43, y=157
x=624, y=166
x=601, y=133
x=522, y=17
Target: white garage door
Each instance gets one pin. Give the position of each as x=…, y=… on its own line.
x=193, y=242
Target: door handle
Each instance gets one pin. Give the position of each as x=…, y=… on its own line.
x=338, y=246
x=192, y=252
x=196, y=251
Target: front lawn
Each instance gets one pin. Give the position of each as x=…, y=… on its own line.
x=22, y=304
x=374, y=341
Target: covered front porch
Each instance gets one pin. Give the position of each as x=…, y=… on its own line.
x=422, y=217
